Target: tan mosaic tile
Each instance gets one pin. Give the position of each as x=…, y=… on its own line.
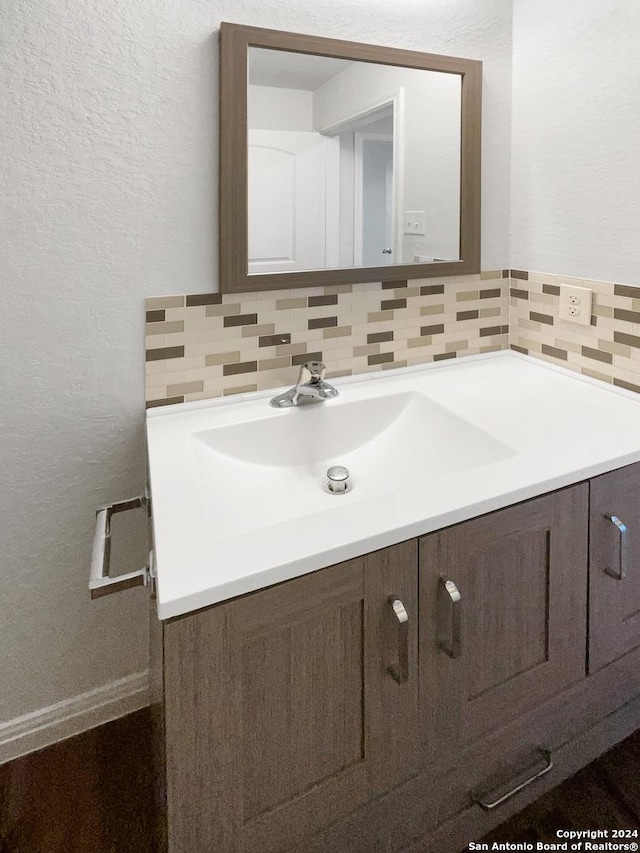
x=352, y=328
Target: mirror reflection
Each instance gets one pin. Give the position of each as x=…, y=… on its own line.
x=350, y=163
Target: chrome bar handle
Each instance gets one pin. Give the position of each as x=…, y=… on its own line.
x=100, y=583
x=545, y=754
x=623, y=551
x=400, y=673
x=450, y=629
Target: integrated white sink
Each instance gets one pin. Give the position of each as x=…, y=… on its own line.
x=271, y=468
x=237, y=486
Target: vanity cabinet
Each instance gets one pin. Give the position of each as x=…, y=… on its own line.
x=614, y=578
x=394, y=703
x=288, y=708
x=517, y=578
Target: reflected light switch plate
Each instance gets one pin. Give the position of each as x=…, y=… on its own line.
x=414, y=222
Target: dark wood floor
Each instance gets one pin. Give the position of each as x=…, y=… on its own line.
x=91, y=794
x=95, y=794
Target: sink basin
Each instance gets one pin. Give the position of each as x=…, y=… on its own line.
x=273, y=466
x=237, y=486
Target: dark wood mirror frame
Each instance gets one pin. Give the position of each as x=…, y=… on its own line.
x=235, y=41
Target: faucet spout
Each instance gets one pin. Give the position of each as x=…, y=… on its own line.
x=310, y=387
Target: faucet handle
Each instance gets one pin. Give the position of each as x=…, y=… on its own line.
x=312, y=371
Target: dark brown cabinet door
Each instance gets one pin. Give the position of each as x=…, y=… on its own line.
x=287, y=708
x=614, y=566
x=502, y=609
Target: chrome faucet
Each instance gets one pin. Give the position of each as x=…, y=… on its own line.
x=310, y=387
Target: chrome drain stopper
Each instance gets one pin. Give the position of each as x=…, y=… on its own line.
x=338, y=480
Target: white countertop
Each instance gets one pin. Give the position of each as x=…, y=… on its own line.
x=543, y=427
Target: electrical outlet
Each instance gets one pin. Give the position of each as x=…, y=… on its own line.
x=575, y=304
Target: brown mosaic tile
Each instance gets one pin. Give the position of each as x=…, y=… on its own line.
x=467, y=315
x=622, y=383
x=391, y=285
x=431, y=289
x=241, y=320
x=551, y=289
x=240, y=367
x=555, y=352
x=518, y=294
x=506, y=273
x=467, y=296
x=490, y=312
x=181, y=388
x=594, y=320
x=337, y=332
x=164, y=352
x=204, y=299
x=624, y=338
x=625, y=290
x=491, y=293
x=437, y=329
x=155, y=316
x=379, y=337
x=488, y=274
x=443, y=356
x=169, y=401
x=628, y=316
x=393, y=365
x=322, y=322
x=380, y=358
x=541, y=318
x=519, y=349
x=391, y=304
x=493, y=330
x=597, y=355
x=523, y=275
x=307, y=356
x=274, y=340
x=212, y=359
x=314, y=301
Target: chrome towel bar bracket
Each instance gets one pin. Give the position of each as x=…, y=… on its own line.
x=100, y=582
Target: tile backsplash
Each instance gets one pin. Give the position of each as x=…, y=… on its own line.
x=608, y=349
x=208, y=345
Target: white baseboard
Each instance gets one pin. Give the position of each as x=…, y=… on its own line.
x=72, y=716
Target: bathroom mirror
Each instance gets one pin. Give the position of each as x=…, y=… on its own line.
x=343, y=162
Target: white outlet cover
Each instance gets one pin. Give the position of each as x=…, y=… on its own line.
x=575, y=304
